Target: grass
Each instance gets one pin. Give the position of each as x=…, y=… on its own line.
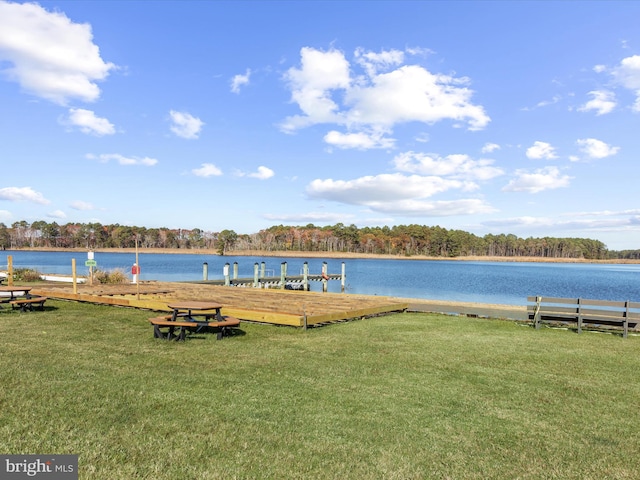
x=407, y=396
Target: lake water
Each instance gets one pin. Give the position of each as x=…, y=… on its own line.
x=507, y=283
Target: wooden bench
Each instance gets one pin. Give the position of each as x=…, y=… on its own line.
x=602, y=314
x=165, y=322
x=28, y=304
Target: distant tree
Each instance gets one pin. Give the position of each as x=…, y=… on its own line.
x=226, y=239
x=5, y=239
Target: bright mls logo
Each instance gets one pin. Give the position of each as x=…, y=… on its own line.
x=51, y=467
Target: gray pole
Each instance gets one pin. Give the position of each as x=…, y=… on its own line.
x=225, y=272
x=283, y=274
x=205, y=271
x=305, y=276
x=255, y=275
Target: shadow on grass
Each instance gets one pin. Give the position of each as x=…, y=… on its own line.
x=203, y=335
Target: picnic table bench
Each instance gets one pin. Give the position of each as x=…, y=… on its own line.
x=165, y=327
x=603, y=314
x=28, y=304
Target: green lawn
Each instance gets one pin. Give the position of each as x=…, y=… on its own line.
x=405, y=396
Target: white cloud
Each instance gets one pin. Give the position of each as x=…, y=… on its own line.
x=545, y=103
x=413, y=94
x=543, y=179
x=359, y=140
x=525, y=221
x=239, y=81
x=80, y=205
x=603, y=102
x=373, y=62
x=48, y=55
x=326, y=92
x=5, y=215
x=263, y=173
x=122, y=160
x=312, y=84
x=541, y=150
x=457, y=166
x=441, y=208
x=398, y=194
x=59, y=214
x=185, y=125
x=207, y=170
x=627, y=74
x=594, y=148
x=88, y=123
x=599, y=221
x=490, y=147
x=380, y=188
x=22, y=194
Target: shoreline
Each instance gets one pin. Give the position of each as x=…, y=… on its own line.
x=337, y=255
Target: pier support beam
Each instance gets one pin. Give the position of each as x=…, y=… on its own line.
x=225, y=272
x=325, y=282
x=283, y=274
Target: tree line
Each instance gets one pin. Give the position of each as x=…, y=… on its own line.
x=406, y=240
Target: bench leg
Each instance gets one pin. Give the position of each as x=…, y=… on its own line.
x=170, y=333
x=157, y=333
x=166, y=335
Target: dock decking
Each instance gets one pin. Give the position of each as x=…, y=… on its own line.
x=280, y=307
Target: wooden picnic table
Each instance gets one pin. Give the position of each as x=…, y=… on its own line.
x=9, y=293
x=192, y=316
x=21, y=298
x=190, y=310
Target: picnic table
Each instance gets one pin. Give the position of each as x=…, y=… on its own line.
x=192, y=310
x=9, y=293
x=20, y=297
x=192, y=316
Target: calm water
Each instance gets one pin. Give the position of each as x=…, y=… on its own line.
x=486, y=282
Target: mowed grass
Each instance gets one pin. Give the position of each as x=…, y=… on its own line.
x=405, y=396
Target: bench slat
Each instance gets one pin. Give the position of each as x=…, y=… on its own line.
x=27, y=303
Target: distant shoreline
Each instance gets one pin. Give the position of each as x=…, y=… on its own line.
x=346, y=255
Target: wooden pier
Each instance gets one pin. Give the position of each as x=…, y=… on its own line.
x=275, y=306
x=283, y=281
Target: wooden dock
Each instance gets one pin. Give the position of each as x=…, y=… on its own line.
x=275, y=306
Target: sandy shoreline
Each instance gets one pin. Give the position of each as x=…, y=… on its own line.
x=296, y=254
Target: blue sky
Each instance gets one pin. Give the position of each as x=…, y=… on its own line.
x=490, y=117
